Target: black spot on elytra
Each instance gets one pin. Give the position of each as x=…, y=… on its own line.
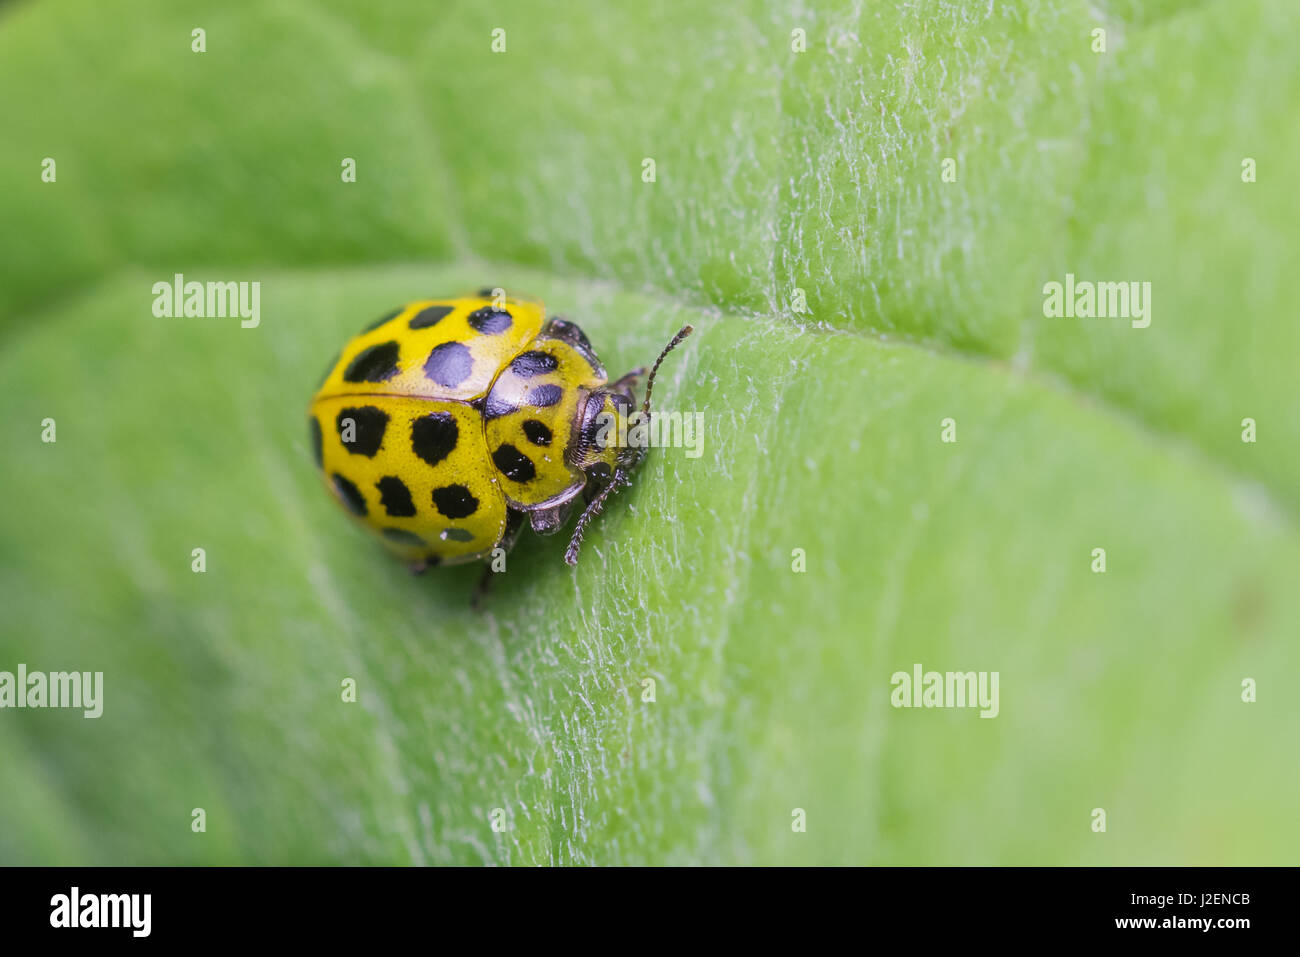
x=544, y=395
x=368, y=428
x=376, y=364
x=495, y=407
x=532, y=363
x=537, y=432
x=514, y=464
x=434, y=436
x=456, y=535
x=350, y=494
x=395, y=497
x=313, y=424
x=454, y=501
x=402, y=537
x=429, y=316
x=449, y=364
x=489, y=321
x=381, y=320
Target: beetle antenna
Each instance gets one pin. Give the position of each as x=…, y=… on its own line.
x=623, y=471
x=682, y=333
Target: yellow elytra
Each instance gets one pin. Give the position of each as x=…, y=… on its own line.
x=446, y=423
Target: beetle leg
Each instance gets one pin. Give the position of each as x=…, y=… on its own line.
x=627, y=385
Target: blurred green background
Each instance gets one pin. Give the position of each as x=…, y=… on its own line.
x=775, y=170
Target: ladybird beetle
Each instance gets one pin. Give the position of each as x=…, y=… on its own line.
x=447, y=422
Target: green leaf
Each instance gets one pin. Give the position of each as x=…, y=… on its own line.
x=774, y=170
